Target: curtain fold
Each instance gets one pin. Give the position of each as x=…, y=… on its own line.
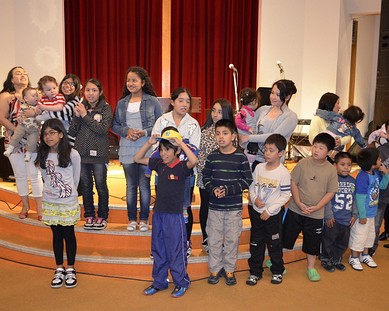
x=207, y=36
x=105, y=37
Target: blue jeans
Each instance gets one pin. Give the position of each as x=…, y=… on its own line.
x=135, y=178
x=98, y=172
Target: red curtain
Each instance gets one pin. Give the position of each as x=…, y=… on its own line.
x=207, y=36
x=105, y=37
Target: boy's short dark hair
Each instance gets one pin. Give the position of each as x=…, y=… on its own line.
x=367, y=157
x=228, y=124
x=278, y=140
x=326, y=139
x=166, y=143
x=342, y=155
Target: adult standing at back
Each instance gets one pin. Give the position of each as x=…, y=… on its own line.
x=329, y=102
x=136, y=113
x=277, y=118
x=10, y=101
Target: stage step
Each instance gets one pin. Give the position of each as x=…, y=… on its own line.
x=111, y=252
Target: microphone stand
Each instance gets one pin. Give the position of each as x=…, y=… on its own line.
x=235, y=76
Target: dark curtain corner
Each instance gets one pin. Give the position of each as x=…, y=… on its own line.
x=207, y=36
x=104, y=38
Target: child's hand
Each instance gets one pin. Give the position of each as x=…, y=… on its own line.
x=383, y=169
x=175, y=141
x=153, y=139
x=38, y=110
x=330, y=222
x=219, y=192
x=250, y=130
x=259, y=203
x=265, y=216
x=362, y=221
x=303, y=208
x=352, y=221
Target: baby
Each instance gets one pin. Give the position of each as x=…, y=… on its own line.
x=27, y=127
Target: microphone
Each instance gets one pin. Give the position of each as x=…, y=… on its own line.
x=280, y=66
x=232, y=67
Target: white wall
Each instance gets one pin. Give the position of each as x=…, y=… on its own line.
x=32, y=33
x=312, y=39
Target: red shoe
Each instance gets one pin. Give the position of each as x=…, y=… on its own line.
x=23, y=215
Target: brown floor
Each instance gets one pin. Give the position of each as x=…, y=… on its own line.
x=27, y=288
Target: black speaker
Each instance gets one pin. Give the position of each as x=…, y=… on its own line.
x=5, y=166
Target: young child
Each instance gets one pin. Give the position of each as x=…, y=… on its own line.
x=383, y=204
x=245, y=119
x=188, y=127
x=342, y=125
x=339, y=216
x=368, y=185
x=380, y=136
x=28, y=127
x=220, y=109
x=269, y=192
x=168, y=238
x=314, y=184
x=51, y=99
x=90, y=125
x=225, y=175
x=60, y=166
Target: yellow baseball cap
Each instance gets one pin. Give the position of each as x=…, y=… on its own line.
x=169, y=134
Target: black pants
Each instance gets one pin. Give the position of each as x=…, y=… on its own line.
x=204, y=196
x=61, y=234
x=189, y=224
x=265, y=234
x=334, y=242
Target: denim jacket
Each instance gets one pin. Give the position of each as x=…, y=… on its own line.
x=341, y=127
x=150, y=110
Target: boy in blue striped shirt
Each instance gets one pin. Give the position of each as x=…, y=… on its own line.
x=225, y=175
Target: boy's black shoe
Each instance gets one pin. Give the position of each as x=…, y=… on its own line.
x=386, y=246
x=230, y=278
x=340, y=267
x=383, y=236
x=328, y=266
x=214, y=277
x=253, y=280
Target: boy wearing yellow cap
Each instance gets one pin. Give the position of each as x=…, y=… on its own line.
x=168, y=243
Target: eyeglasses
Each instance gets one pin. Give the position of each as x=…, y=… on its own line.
x=69, y=83
x=50, y=133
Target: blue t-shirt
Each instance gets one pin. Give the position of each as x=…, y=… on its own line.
x=368, y=185
x=343, y=201
x=171, y=185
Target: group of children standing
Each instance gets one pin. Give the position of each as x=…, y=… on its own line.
x=320, y=192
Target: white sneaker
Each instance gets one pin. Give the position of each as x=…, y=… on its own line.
x=132, y=226
x=143, y=226
x=368, y=260
x=355, y=263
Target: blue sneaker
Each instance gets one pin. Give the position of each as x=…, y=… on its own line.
x=178, y=291
x=151, y=290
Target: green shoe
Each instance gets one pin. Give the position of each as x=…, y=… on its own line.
x=269, y=264
x=313, y=275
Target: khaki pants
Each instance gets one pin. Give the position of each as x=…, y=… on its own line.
x=223, y=229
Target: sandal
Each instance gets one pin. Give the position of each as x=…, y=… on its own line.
x=23, y=215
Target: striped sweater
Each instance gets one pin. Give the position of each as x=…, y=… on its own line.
x=231, y=171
